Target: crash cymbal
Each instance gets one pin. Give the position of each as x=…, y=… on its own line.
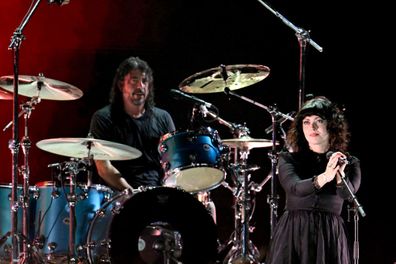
x=236, y=77
x=4, y=95
x=78, y=148
x=42, y=87
x=247, y=142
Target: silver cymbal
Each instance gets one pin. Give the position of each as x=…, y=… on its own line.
x=212, y=80
x=42, y=87
x=248, y=142
x=79, y=148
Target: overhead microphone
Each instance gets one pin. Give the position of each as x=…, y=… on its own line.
x=280, y=121
x=177, y=94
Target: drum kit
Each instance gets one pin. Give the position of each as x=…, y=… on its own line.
x=69, y=222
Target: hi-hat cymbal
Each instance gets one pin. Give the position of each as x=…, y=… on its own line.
x=4, y=95
x=247, y=142
x=99, y=149
x=232, y=76
x=42, y=87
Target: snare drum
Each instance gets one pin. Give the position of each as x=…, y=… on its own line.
x=192, y=160
x=133, y=227
x=52, y=221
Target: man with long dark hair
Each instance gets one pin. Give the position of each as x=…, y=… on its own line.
x=132, y=119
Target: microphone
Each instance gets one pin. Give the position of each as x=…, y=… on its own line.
x=280, y=121
x=341, y=160
x=180, y=95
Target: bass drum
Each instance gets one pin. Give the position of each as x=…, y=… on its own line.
x=144, y=226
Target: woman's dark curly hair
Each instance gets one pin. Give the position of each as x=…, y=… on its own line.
x=126, y=67
x=336, y=125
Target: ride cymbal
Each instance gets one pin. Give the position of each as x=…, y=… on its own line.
x=247, y=142
x=83, y=147
x=41, y=87
x=216, y=79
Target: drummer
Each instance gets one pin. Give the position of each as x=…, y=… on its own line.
x=132, y=119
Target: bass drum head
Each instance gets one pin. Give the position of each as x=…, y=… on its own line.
x=162, y=208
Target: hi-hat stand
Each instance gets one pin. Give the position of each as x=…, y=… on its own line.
x=276, y=117
x=243, y=250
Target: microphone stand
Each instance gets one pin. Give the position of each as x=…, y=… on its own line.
x=357, y=207
x=13, y=144
x=303, y=38
x=353, y=198
x=273, y=198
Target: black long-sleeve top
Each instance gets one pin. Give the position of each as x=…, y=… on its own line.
x=296, y=173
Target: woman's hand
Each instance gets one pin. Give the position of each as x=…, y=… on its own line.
x=334, y=169
x=334, y=165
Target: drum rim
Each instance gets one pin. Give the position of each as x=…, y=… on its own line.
x=168, y=175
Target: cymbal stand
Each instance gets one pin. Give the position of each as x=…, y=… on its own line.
x=13, y=145
x=72, y=169
x=243, y=250
x=27, y=256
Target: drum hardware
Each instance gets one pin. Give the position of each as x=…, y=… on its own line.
x=73, y=169
x=24, y=170
x=160, y=237
x=243, y=250
x=12, y=85
x=204, y=198
x=276, y=117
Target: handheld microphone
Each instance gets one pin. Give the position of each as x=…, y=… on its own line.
x=180, y=95
x=341, y=160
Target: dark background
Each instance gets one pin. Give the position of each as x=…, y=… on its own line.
x=82, y=44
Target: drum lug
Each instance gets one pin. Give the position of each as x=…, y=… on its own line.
x=55, y=194
x=83, y=195
x=101, y=212
x=117, y=208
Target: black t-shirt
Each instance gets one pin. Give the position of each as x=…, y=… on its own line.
x=142, y=133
